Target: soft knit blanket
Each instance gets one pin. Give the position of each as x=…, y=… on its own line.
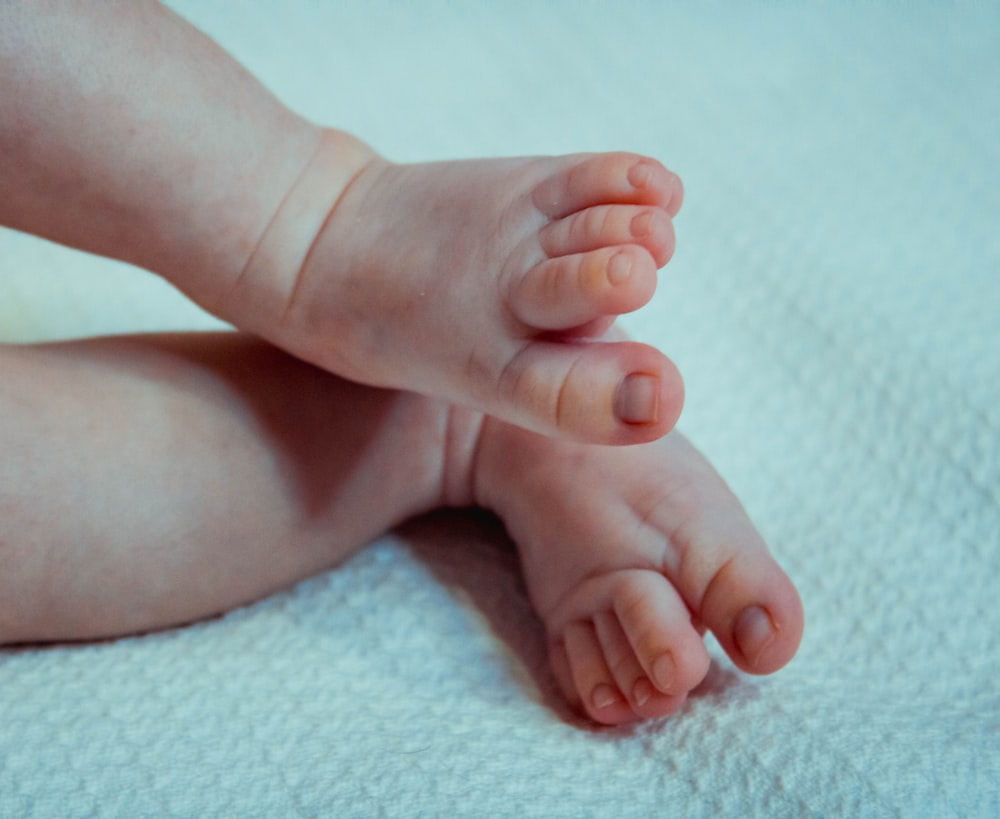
x=834, y=305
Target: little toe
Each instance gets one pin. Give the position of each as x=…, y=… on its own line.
x=595, y=686
x=570, y=291
x=603, y=393
x=612, y=178
x=610, y=225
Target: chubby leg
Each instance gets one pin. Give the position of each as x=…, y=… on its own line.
x=150, y=481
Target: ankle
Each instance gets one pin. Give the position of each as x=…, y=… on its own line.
x=259, y=295
x=464, y=431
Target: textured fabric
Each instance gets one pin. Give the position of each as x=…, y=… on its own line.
x=833, y=305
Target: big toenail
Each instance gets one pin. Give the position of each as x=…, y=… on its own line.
x=638, y=399
x=604, y=696
x=664, y=670
x=641, y=692
x=753, y=633
x=619, y=268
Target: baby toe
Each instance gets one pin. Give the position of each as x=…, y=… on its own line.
x=570, y=291
x=726, y=574
x=608, y=393
x=601, y=179
x=610, y=225
x=755, y=613
x=657, y=624
x=645, y=698
x=673, y=206
x=592, y=681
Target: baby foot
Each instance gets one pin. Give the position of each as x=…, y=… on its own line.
x=481, y=282
x=629, y=554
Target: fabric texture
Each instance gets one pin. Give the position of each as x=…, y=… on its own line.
x=834, y=305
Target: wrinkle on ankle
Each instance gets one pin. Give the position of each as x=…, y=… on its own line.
x=263, y=293
x=463, y=436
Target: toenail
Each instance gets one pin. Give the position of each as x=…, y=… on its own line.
x=638, y=399
x=753, y=633
x=620, y=267
x=640, y=175
x=641, y=692
x=642, y=225
x=604, y=696
x=664, y=670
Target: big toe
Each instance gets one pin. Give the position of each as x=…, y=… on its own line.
x=601, y=393
x=755, y=613
x=722, y=567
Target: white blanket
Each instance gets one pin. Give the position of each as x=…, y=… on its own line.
x=834, y=305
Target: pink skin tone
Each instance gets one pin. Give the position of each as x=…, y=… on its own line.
x=126, y=132
x=152, y=481
x=523, y=269
x=491, y=285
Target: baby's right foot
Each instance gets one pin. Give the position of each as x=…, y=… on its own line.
x=629, y=554
x=482, y=282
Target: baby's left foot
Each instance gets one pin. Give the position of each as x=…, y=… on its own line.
x=629, y=554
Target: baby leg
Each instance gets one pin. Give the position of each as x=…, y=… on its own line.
x=150, y=481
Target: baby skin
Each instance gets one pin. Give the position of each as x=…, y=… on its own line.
x=475, y=281
x=127, y=132
x=218, y=469
x=490, y=287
